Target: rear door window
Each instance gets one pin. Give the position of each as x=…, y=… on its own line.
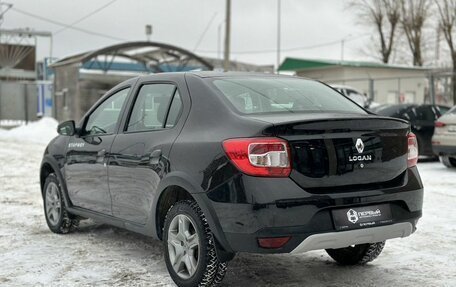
x=151, y=107
x=174, y=111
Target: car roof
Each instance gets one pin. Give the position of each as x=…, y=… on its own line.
x=218, y=74
x=343, y=87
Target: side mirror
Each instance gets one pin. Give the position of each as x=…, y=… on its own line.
x=67, y=128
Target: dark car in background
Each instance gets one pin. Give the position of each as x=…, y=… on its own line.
x=216, y=163
x=421, y=118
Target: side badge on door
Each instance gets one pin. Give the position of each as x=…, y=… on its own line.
x=73, y=145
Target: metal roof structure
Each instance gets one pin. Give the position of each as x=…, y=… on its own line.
x=295, y=64
x=149, y=57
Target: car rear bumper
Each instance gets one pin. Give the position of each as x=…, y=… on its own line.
x=360, y=236
x=321, y=234
x=307, y=218
x=444, y=149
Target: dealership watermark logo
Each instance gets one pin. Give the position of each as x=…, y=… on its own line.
x=352, y=216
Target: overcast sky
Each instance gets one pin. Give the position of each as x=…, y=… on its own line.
x=182, y=22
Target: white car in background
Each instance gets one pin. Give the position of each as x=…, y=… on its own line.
x=444, y=139
x=353, y=94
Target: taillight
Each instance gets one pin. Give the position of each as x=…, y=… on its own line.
x=412, y=157
x=439, y=124
x=269, y=157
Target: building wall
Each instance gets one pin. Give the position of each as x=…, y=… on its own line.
x=92, y=86
x=66, y=93
x=76, y=91
x=391, y=85
x=18, y=100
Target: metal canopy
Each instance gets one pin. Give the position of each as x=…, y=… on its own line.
x=150, y=57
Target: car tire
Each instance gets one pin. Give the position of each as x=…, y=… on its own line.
x=187, y=263
x=357, y=254
x=448, y=161
x=57, y=218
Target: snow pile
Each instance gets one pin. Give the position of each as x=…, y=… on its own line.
x=41, y=131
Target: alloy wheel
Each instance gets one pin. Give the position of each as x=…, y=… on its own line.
x=53, y=203
x=183, y=246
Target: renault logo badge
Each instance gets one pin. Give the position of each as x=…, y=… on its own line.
x=359, y=145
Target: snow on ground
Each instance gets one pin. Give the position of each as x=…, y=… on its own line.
x=41, y=131
x=101, y=255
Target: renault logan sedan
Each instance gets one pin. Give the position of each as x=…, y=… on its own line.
x=213, y=164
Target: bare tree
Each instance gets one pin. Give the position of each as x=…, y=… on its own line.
x=384, y=16
x=414, y=14
x=447, y=12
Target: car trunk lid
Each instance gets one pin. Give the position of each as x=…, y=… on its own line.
x=343, y=152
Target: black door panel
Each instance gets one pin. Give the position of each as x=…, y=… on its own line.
x=86, y=173
x=135, y=170
x=87, y=155
x=139, y=156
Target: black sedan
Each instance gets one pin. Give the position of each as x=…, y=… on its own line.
x=214, y=164
x=421, y=118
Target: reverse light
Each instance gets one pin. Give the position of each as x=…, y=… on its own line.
x=412, y=155
x=269, y=157
x=439, y=124
x=273, y=242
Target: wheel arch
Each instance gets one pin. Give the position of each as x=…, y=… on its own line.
x=179, y=186
x=48, y=166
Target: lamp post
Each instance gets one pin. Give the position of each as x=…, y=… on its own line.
x=278, y=33
x=219, y=39
x=226, y=60
x=148, y=32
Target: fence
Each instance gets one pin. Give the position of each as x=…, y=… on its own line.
x=433, y=88
x=25, y=101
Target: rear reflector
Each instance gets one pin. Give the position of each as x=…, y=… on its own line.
x=412, y=156
x=268, y=157
x=274, y=242
x=439, y=124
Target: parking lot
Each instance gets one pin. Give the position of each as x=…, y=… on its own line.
x=102, y=255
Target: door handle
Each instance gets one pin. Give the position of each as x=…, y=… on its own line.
x=154, y=157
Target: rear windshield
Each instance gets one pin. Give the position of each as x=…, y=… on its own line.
x=268, y=95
